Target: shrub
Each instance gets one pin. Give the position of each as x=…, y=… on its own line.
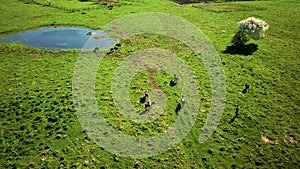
x=249, y=28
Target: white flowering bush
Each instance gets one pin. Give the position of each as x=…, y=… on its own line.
x=249, y=28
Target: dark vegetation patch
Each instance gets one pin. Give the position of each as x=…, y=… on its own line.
x=25, y=50
x=228, y=7
x=96, y=5
x=191, y=1
x=205, y=1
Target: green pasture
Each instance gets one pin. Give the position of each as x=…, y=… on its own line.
x=39, y=126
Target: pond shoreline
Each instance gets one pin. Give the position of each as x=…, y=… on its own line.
x=58, y=38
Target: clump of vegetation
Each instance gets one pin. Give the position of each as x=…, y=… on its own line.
x=249, y=28
x=97, y=0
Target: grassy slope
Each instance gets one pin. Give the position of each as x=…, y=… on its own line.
x=38, y=122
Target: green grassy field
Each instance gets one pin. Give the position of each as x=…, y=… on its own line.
x=39, y=126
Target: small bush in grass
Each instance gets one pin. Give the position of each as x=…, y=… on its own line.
x=249, y=28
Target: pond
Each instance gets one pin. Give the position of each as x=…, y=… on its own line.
x=61, y=38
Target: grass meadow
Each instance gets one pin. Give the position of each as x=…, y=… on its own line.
x=39, y=126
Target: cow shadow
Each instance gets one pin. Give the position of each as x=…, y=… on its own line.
x=143, y=99
x=172, y=83
x=178, y=108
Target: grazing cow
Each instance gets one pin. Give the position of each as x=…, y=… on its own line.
x=174, y=81
x=182, y=101
x=143, y=99
x=180, y=105
x=53, y=24
x=146, y=93
x=110, y=7
x=149, y=104
x=176, y=78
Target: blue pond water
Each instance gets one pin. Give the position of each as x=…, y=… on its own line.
x=61, y=38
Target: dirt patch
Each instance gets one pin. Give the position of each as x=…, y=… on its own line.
x=290, y=139
x=150, y=77
x=267, y=140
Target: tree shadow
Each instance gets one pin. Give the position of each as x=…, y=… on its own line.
x=246, y=50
